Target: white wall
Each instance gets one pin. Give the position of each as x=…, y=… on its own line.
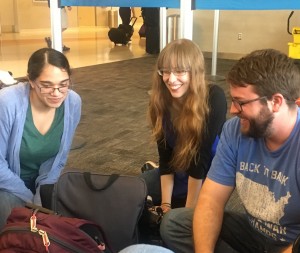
x=7, y=14
x=260, y=29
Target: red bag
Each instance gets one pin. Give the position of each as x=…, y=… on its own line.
x=30, y=230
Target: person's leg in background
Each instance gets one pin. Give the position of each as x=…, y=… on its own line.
x=125, y=15
x=8, y=202
x=64, y=24
x=151, y=20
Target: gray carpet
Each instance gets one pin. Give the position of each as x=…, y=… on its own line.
x=114, y=127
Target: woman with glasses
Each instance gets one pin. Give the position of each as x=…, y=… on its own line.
x=38, y=119
x=187, y=115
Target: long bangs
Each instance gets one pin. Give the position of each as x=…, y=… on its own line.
x=175, y=57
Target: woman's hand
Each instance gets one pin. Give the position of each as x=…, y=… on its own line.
x=165, y=207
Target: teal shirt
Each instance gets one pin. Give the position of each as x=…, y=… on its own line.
x=37, y=148
x=14, y=102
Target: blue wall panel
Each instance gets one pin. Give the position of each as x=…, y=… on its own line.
x=247, y=4
x=198, y=4
x=122, y=3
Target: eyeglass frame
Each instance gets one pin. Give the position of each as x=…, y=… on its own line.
x=236, y=102
x=161, y=72
x=53, y=88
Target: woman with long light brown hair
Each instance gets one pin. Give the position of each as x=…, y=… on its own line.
x=186, y=115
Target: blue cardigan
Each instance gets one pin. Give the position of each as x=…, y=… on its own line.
x=14, y=102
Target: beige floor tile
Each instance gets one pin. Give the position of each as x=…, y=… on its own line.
x=89, y=46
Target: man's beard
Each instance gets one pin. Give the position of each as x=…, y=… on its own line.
x=261, y=126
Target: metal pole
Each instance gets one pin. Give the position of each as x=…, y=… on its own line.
x=163, y=27
x=55, y=14
x=186, y=19
x=215, y=43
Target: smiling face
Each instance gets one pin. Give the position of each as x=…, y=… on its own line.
x=255, y=118
x=43, y=93
x=177, y=85
x=179, y=78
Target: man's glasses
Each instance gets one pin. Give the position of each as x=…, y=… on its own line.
x=167, y=73
x=48, y=90
x=239, y=104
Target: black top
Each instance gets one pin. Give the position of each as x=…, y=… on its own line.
x=217, y=116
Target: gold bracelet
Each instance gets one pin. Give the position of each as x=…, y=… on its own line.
x=166, y=204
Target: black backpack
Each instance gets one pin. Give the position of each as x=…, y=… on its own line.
x=123, y=33
x=115, y=202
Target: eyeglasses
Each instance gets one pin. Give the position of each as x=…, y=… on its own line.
x=48, y=90
x=239, y=104
x=177, y=72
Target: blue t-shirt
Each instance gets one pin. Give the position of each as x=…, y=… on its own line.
x=268, y=183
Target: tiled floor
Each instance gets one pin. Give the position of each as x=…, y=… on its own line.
x=89, y=46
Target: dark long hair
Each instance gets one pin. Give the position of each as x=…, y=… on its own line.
x=44, y=56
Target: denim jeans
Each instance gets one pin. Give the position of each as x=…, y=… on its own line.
x=145, y=248
x=149, y=232
x=152, y=179
x=176, y=230
x=8, y=202
x=237, y=235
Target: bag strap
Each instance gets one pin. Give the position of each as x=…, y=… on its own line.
x=88, y=180
x=39, y=208
x=132, y=21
